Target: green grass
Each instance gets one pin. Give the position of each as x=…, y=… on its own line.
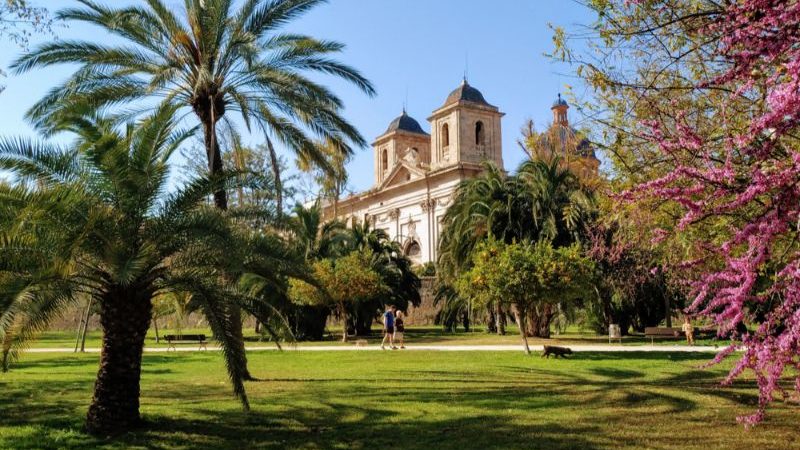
x=426, y=400
x=429, y=335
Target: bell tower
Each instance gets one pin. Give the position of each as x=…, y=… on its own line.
x=466, y=128
x=403, y=139
x=559, y=109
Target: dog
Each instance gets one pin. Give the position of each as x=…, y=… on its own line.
x=556, y=351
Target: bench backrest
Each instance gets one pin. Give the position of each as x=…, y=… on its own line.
x=185, y=337
x=662, y=331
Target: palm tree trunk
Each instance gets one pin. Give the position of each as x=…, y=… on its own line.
x=125, y=317
x=221, y=201
x=276, y=174
x=522, y=329
x=215, y=167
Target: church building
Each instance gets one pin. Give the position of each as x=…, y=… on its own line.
x=416, y=173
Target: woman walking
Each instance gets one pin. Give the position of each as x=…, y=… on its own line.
x=399, y=329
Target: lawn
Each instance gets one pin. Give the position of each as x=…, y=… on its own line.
x=426, y=400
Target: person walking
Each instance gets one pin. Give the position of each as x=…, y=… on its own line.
x=688, y=329
x=399, y=329
x=388, y=327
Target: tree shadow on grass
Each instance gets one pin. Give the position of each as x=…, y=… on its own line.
x=700, y=357
x=337, y=426
x=515, y=406
x=326, y=424
x=617, y=374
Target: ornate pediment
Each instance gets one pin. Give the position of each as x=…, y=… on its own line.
x=402, y=172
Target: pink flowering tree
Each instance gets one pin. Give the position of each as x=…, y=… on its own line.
x=754, y=177
x=697, y=104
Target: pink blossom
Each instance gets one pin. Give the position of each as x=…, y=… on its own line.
x=760, y=39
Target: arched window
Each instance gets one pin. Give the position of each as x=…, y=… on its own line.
x=445, y=135
x=413, y=250
x=479, y=134
x=384, y=160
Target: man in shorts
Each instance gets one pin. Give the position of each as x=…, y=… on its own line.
x=388, y=327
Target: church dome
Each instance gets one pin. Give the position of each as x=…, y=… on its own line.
x=559, y=102
x=467, y=93
x=405, y=123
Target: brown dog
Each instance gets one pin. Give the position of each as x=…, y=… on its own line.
x=556, y=351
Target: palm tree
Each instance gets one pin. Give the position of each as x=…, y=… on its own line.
x=561, y=204
x=209, y=59
x=95, y=219
x=316, y=239
x=492, y=204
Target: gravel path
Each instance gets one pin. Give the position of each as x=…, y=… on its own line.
x=443, y=348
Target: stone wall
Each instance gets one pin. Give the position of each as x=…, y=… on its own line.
x=425, y=313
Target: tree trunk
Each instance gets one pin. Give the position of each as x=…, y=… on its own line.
x=80, y=340
x=125, y=317
x=491, y=322
x=521, y=324
x=500, y=319
x=539, y=321
x=155, y=326
x=276, y=174
x=343, y=311
x=83, y=336
x=215, y=162
x=215, y=167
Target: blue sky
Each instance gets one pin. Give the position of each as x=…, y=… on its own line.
x=410, y=49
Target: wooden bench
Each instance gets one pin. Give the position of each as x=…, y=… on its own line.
x=664, y=332
x=173, y=339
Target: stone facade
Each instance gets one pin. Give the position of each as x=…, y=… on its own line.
x=416, y=173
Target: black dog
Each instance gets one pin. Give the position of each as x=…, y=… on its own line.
x=556, y=351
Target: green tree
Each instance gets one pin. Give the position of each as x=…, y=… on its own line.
x=95, y=218
x=210, y=59
x=343, y=282
x=526, y=276
x=394, y=268
x=544, y=200
x=316, y=239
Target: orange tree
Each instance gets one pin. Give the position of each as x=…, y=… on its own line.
x=526, y=276
x=341, y=283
